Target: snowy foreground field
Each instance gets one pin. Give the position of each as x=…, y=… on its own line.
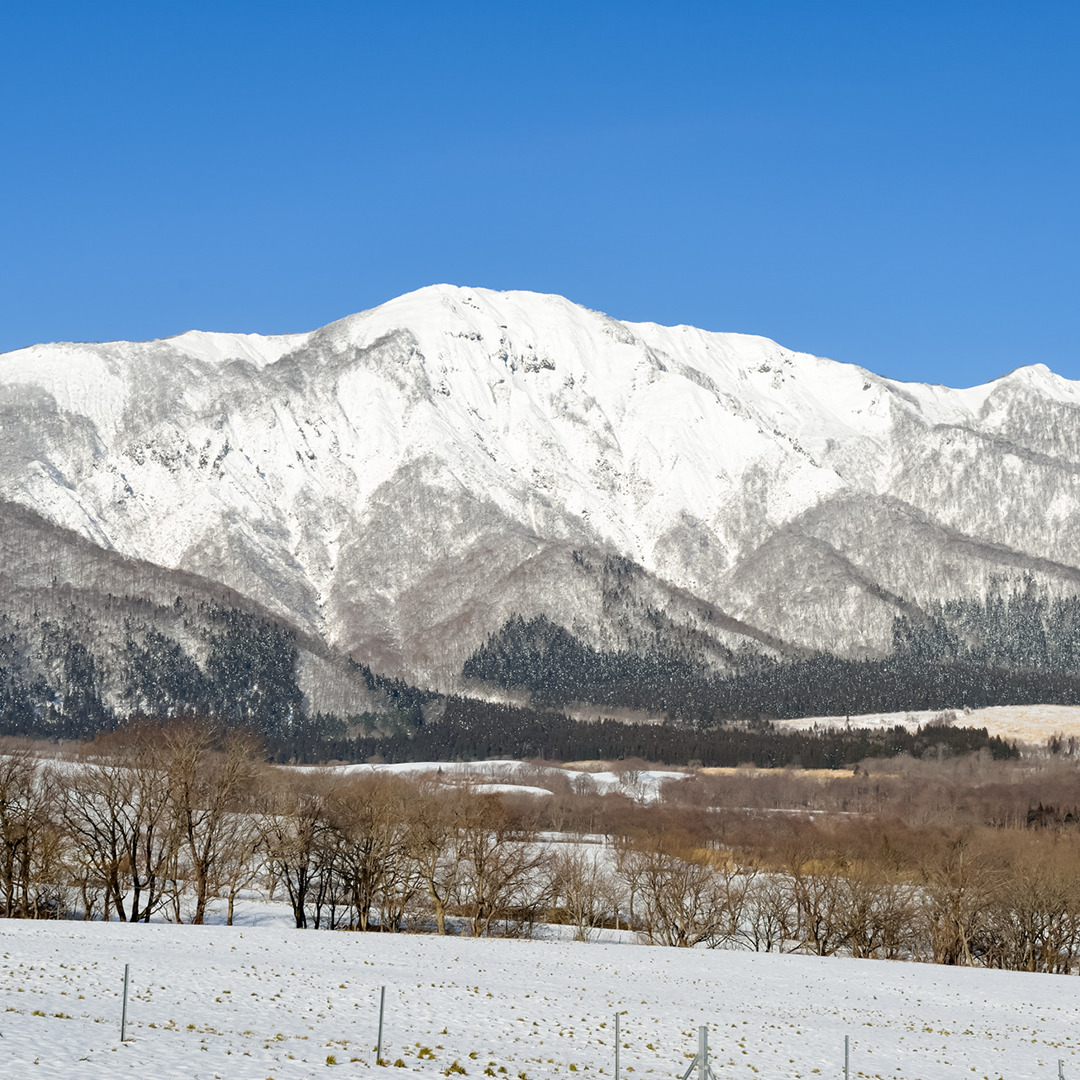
x=263, y=1001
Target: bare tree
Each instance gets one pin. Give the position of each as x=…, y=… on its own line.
x=682, y=897
x=435, y=825
x=115, y=810
x=208, y=773
x=502, y=862
x=369, y=820
x=733, y=885
x=1032, y=921
x=629, y=868
x=584, y=887
x=30, y=846
x=292, y=824
x=817, y=888
x=768, y=910
x=240, y=849
x=92, y=805
x=153, y=838
x=956, y=890
x=877, y=911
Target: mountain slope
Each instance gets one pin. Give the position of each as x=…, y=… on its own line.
x=400, y=483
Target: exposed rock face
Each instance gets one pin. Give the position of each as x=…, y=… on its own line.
x=398, y=484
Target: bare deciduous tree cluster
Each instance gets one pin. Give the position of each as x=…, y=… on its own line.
x=156, y=820
x=179, y=821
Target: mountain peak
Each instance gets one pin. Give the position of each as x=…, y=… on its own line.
x=400, y=482
x=215, y=348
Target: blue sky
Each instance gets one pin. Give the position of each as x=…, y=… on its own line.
x=890, y=184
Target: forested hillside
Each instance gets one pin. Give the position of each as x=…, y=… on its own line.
x=61, y=678
x=1017, y=646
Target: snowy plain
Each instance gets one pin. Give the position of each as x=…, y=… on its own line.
x=256, y=1001
x=1032, y=724
x=510, y=776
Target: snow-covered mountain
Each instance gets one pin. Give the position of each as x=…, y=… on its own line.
x=396, y=485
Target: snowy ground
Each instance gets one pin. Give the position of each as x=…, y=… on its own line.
x=1027, y=723
x=247, y=1003
x=520, y=777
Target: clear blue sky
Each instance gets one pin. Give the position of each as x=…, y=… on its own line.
x=893, y=184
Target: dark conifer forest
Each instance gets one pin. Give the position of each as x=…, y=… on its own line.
x=1017, y=646
x=1014, y=649
x=475, y=730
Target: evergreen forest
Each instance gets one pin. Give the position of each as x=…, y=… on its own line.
x=212, y=660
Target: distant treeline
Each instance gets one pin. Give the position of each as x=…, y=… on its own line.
x=1020, y=648
x=474, y=730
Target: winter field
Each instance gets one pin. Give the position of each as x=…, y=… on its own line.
x=263, y=1000
x=505, y=775
x=1032, y=724
x=260, y=1001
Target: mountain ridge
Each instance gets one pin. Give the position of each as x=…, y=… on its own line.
x=401, y=482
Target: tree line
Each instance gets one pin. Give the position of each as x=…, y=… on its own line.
x=471, y=730
x=176, y=821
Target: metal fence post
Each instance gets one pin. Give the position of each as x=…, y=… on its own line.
x=378, y=1046
x=847, y=1048
x=617, y=1046
x=123, y=1010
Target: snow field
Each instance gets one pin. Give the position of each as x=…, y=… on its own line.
x=255, y=1002
x=1026, y=723
x=511, y=777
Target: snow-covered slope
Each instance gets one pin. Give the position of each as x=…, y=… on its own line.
x=247, y=1002
x=402, y=481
